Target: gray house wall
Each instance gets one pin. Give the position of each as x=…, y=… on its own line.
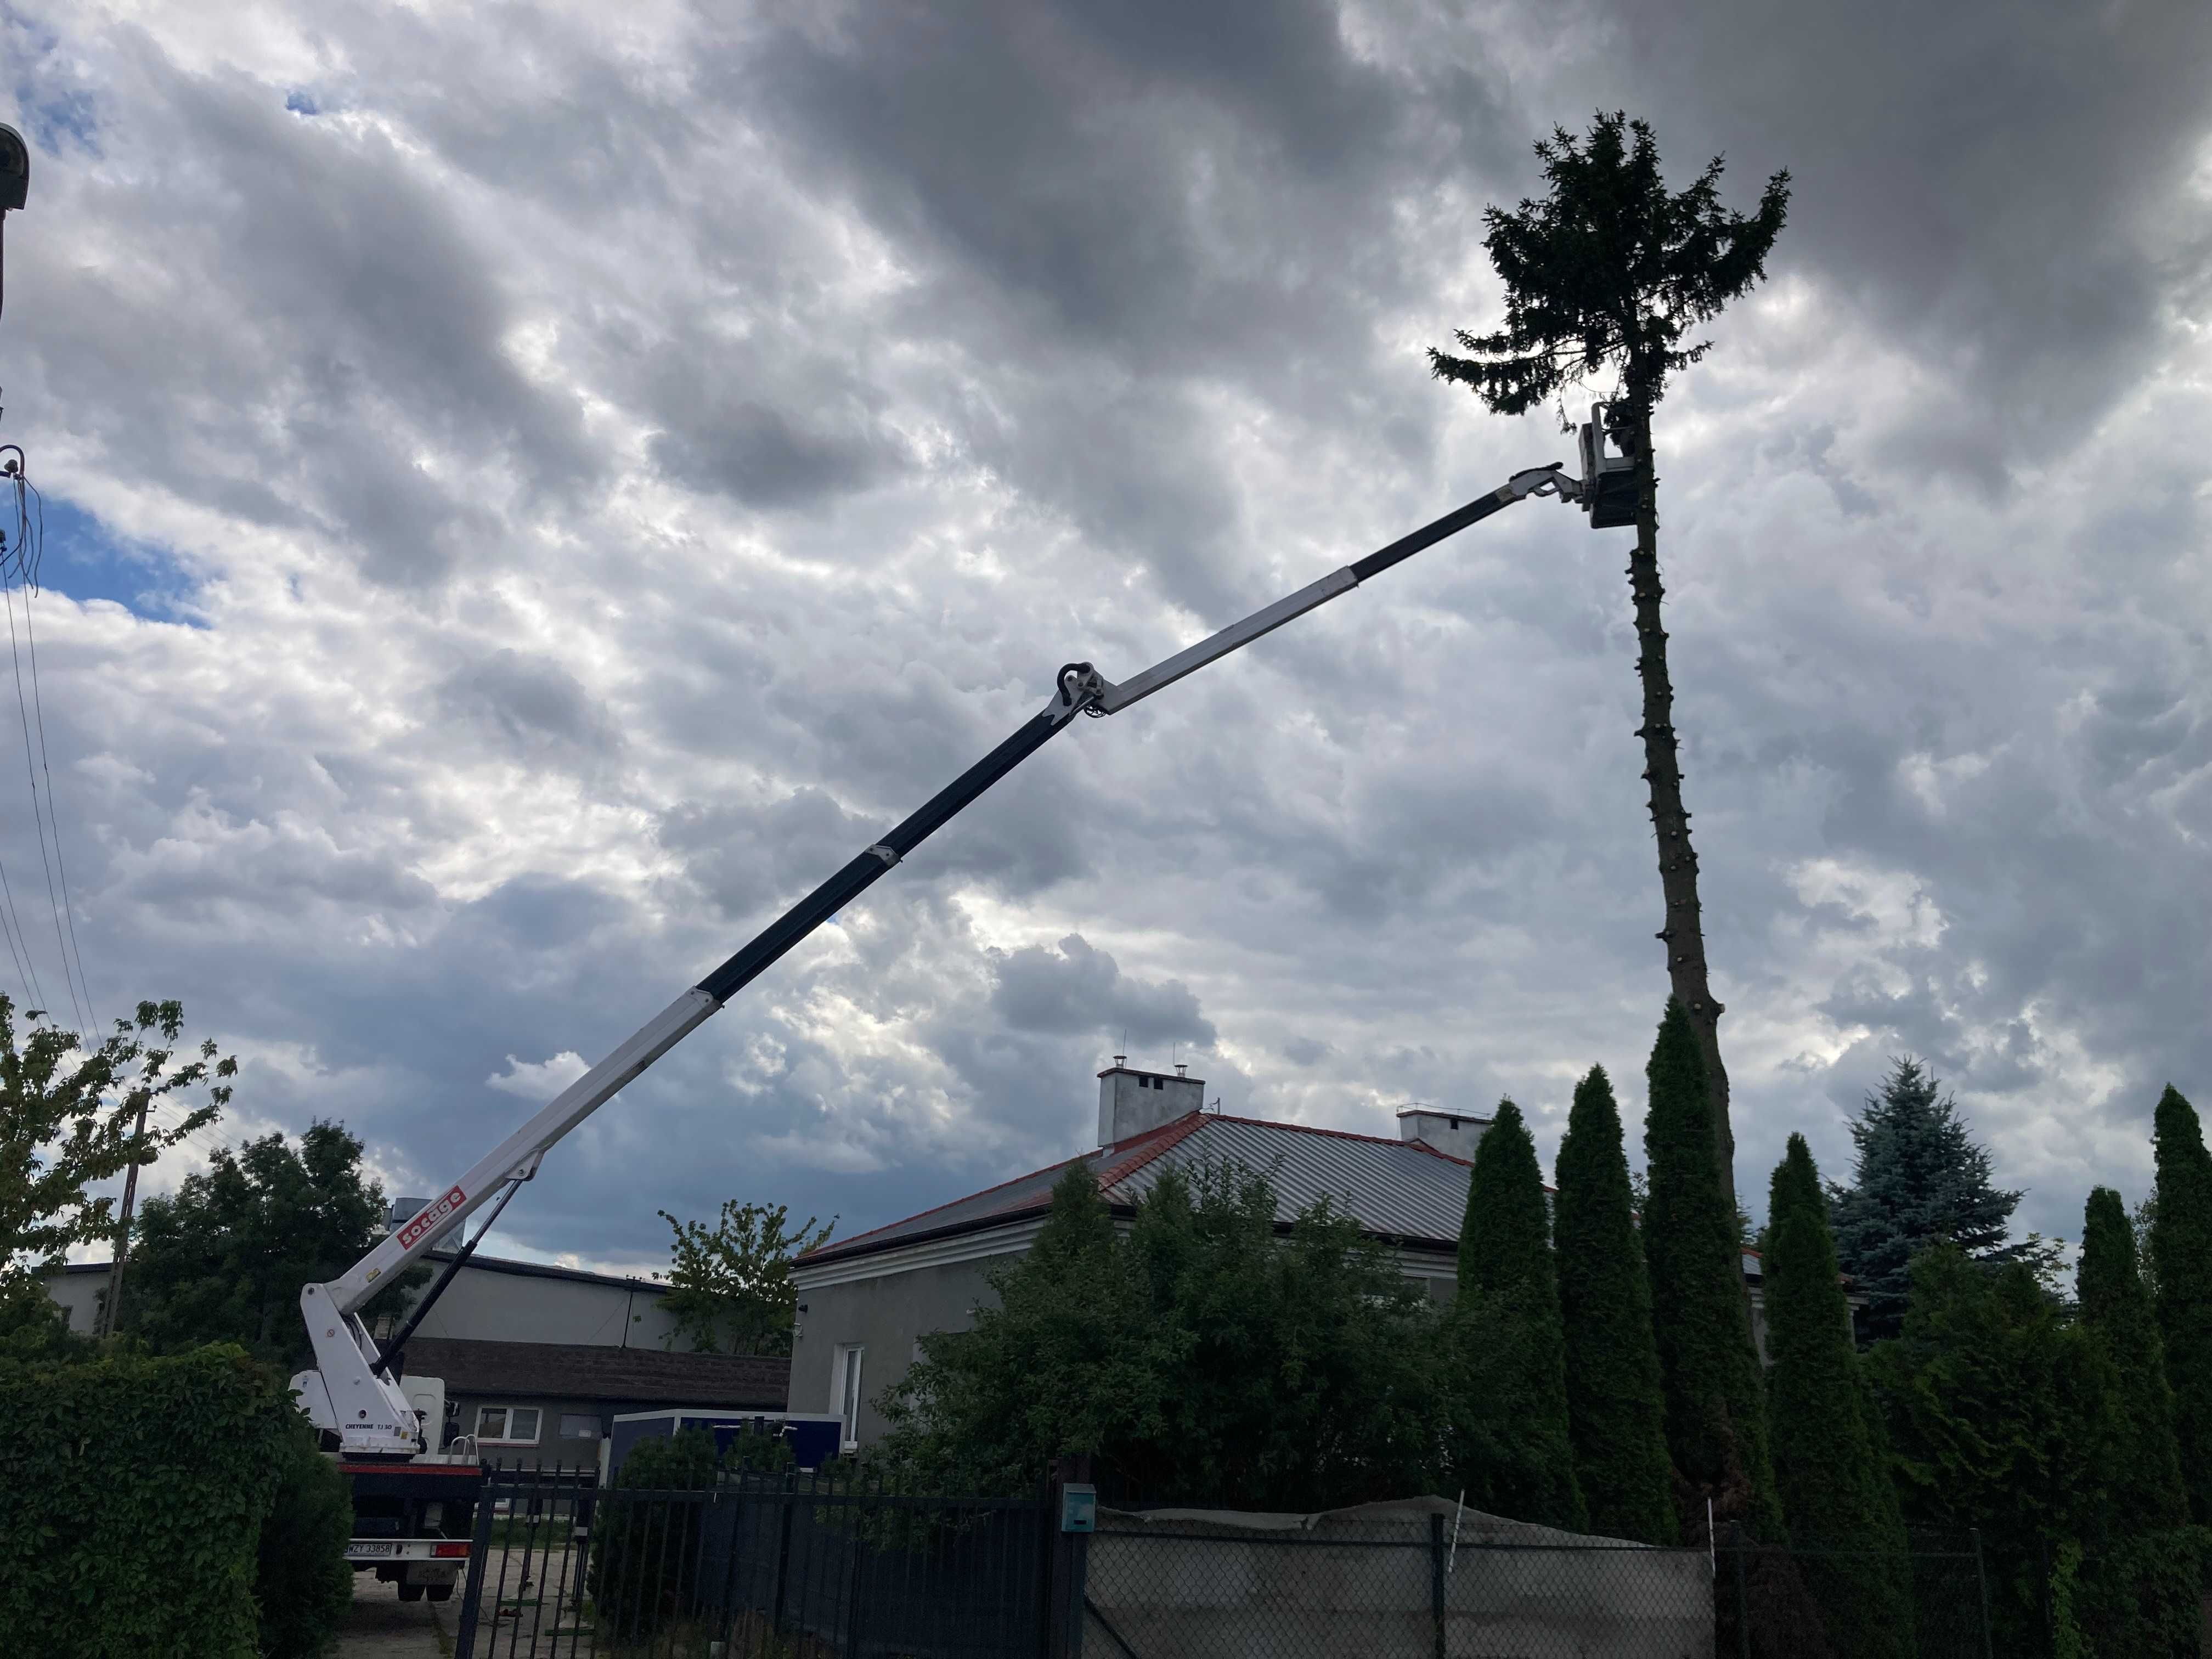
x=80, y=1289
x=888, y=1313
x=492, y=1302
x=486, y=1305
x=551, y=1447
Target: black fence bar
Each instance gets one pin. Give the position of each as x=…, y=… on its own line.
x=822, y=1567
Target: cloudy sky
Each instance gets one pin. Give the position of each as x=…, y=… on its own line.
x=531, y=490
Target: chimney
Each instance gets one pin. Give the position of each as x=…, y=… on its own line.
x=1131, y=1102
x=1454, y=1134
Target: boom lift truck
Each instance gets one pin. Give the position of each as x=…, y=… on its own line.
x=415, y=1496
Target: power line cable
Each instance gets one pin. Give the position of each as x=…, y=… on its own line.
x=30, y=773
x=17, y=554
x=9, y=926
x=53, y=811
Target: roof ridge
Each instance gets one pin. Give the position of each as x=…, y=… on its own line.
x=1341, y=1134
x=828, y=1250
x=1154, y=1144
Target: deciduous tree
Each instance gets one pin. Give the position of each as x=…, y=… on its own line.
x=1835, y=1488
x=222, y=1259
x=1616, y=1414
x=70, y=1118
x=1716, y=1411
x=1612, y=270
x=731, y=1285
x=1203, y=1358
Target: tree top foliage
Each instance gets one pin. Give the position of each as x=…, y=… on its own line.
x=1200, y=1358
x=1918, y=1178
x=732, y=1283
x=1611, y=268
x=68, y=1118
x=1505, y=1242
x=223, y=1257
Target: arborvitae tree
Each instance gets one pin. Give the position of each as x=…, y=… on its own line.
x=1613, y=271
x=1917, y=1177
x=1616, y=1415
x=2147, y=1493
x=1835, y=1485
x=2002, y=1415
x=1505, y=1257
x=2139, y=1589
x=1715, y=1414
x=2181, y=1242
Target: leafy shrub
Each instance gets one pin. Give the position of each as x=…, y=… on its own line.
x=131, y=1498
x=759, y=1454
x=644, y=1549
x=302, y=1580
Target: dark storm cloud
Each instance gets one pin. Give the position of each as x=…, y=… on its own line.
x=1119, y=208
x=1997, y=186
x=819, y=434
x=1072, y=987
x=530, y=706
x=361, y=302
x=770, y=407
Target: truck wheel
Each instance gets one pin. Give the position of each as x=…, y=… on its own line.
x=412, y=1592
x=439, y=1592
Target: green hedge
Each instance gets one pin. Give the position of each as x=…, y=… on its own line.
x=132, y=1492
x=302, y=1580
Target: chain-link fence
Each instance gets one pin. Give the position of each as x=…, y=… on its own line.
x=1419, y=1580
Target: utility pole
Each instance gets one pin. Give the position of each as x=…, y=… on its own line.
x=106, y=1324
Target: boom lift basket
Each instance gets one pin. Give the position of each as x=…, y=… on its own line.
x=1608, y=493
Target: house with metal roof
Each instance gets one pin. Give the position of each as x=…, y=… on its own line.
x=865, y=1301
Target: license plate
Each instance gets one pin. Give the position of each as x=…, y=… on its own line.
x=357, y=1550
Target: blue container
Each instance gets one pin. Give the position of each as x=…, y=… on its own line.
x=814, y=1437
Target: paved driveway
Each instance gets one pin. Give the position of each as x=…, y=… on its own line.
x=385, y=1627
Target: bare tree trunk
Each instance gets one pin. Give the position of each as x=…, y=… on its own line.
x=1683, y=933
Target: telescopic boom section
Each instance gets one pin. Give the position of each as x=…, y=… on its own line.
x=367, y=1409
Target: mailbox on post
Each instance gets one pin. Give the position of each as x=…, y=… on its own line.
x=1079, y=1508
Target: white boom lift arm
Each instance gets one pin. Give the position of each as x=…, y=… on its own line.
x=355, y=1390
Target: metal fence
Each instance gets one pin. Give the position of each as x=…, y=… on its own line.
x=797, y=1566
x=1414, y=1583
x=791, y=1566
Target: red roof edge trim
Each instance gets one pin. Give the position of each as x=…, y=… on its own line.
x=1151, y=1146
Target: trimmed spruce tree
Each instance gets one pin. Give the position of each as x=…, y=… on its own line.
x=1616, y=1416
x=1833, y=1481
x=1708, y=1367
x=2181, y=1248
x=1609, y=276
x=1505, y=1257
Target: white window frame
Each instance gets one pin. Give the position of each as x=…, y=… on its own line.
x=845, y=1397
x=537, y=1415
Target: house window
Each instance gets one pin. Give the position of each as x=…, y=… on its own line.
x=577, y=1426
x=847, y=1385
x=507, y=1425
